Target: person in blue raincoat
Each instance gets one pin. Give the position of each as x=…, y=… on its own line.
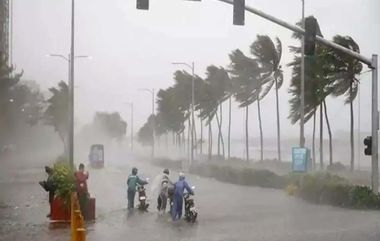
x=179, y=188
x=132, y=182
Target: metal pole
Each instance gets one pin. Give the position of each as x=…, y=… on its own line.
x=302, y=110
x=192, y=114
x=297, y=29
x=71, y=89
x=359, y=139
x=375, y=127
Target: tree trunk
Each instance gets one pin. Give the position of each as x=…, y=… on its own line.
x=313, y=148
x=278, y=124
x=201, y=144
x=65, y=149
x=209, y=139
x=221, y=132
x=261, y=130
x=229, y=129
x=330, y=135
x=321, y=136
x=194, y=133
x=246, y=134
x=220, y=137
x=352, y=131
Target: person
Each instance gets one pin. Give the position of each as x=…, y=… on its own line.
x=49, y=185
x=179, y=188
x=163, y=194
x=132, y=182
x=81, y=177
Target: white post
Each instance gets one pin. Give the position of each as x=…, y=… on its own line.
x=375, y=127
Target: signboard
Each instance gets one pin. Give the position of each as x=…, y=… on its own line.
x=300, y=159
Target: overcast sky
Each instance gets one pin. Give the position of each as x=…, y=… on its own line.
x=134, y=49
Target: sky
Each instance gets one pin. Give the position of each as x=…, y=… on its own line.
x=132, y=49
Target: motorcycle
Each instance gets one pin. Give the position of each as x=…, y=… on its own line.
x=191, y=212
x=143, y=205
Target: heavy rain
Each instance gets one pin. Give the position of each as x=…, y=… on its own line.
x=204, y=120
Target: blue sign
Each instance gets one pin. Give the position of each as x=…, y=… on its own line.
x=300, y=159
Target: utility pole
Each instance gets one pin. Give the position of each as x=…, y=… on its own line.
x=71, y=90
x=375, y=126
x=302, y=110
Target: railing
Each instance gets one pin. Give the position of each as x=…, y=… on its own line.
x=78, y=232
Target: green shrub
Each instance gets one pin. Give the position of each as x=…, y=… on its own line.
x=363, y=197
x=240, y=175
x=63, y=176
x=325, y=188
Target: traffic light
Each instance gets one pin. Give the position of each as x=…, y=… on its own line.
x=239, y=12
x=368, y=146
x=142, y=4
x=311, y=29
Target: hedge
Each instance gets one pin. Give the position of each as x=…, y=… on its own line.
x=318, y=188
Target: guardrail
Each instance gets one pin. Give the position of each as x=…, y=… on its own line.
x=78, y=231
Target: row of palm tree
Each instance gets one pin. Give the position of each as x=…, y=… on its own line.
x=246, y=79
x=249, y=78
x=327, y=73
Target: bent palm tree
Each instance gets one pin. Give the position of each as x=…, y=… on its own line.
x=269, y=56
x=346, y=68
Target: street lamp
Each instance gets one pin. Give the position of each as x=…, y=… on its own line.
x=153, y=121
x=70, y=62
x=131, y=106
x=191, y=66
x=302, y=118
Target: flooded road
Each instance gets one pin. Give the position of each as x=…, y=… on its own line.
x=226, y=212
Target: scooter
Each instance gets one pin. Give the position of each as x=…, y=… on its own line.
x=143, y=206
x=191, y=212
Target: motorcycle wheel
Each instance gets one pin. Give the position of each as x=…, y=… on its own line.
x=193, y=217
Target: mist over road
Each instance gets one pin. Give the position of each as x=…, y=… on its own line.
x=226, y=211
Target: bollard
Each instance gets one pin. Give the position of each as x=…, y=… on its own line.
x=78, y=232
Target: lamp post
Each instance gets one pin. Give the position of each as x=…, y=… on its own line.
x=153, y=121
x=70, y=62
x=191, y=66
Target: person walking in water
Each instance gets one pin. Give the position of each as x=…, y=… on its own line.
x=179, y=188
x=165, y=184
x=132, y=182
x=81, y=177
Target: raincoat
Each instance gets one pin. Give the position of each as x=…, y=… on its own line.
x=179, y=188
x=132, y=182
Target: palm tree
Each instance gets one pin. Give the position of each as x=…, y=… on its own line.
x=218, y=79
x=318, y=86
x=245, y=75
x=346, y=69
x=269, y=55
x=207, y=106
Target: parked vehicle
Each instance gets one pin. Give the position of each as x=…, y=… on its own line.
x=96, y=156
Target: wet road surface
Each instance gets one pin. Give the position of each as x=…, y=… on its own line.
x=226, y=212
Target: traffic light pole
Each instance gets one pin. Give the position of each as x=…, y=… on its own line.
x=375, y=127
x=371, y=62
